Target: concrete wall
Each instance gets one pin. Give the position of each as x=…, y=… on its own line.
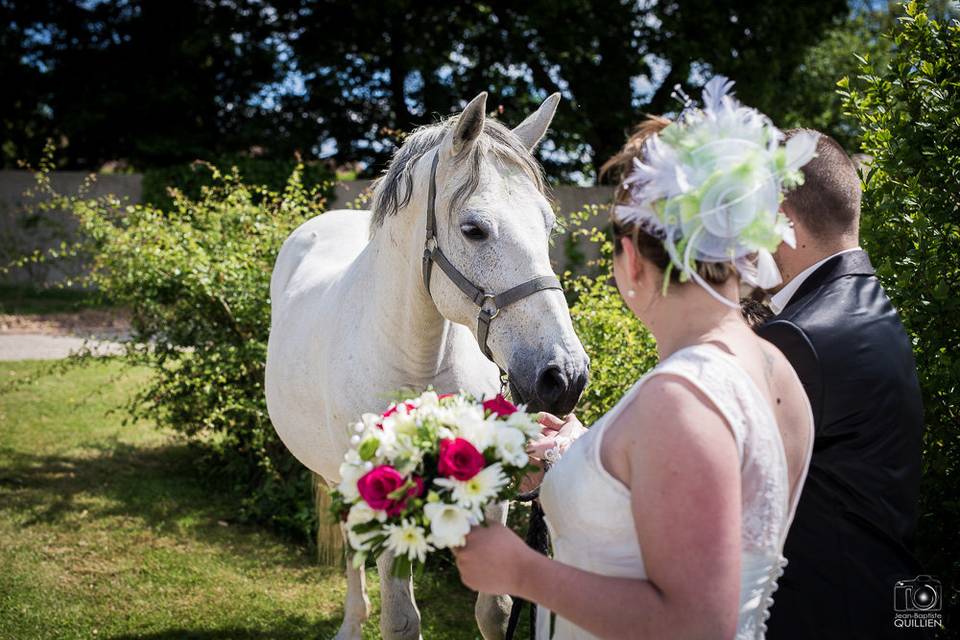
x=21, y=234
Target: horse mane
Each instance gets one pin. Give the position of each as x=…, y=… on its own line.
x=392, y=190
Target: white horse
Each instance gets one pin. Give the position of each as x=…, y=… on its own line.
x=353, y=321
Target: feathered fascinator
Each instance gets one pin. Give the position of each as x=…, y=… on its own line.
x=710, y=185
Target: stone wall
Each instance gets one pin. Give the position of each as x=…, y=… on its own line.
x=21, y=233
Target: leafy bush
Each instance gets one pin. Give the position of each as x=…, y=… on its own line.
x=195, y=278
x=189, y=178
x=909, y=109
x=620, y=348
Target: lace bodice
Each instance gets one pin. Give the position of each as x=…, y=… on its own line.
x=589, y=514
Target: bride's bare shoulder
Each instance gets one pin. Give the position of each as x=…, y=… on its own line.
x=667, y=417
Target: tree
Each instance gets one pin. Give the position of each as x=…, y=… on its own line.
x=157, y=82
x=149, y=81
x=372, y=70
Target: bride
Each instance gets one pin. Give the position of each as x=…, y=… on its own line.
x=668, y=516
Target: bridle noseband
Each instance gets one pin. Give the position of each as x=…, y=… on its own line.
x=488, y=304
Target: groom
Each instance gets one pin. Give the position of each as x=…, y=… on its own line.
x=852, y=536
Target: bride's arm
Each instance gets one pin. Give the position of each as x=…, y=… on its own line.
x=681, y=464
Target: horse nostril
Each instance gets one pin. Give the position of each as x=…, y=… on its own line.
x=551, y=384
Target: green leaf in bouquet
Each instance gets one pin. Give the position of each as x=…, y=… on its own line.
x=403, y=490
x=368, y=448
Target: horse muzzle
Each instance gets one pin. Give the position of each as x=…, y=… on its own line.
x=555, y=386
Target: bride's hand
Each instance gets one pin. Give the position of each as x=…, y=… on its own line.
x=491, y=561
x=568, y=426
x=555, y=437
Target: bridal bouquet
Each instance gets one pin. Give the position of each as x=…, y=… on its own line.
x=417, y=477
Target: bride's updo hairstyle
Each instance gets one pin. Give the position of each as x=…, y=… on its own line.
x=648, y=241
x=700, y=196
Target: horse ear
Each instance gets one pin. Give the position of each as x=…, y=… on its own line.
x=531, y=130
x=469, y=125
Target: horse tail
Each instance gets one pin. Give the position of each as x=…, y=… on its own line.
x=330, y=545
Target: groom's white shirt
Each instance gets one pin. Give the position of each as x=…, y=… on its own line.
x=781, y=299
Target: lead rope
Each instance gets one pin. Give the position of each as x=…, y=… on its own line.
x=538, y=539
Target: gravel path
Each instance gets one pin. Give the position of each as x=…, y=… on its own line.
x=55, y=336
x=46, y=347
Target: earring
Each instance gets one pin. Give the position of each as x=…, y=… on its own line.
x=631, y=293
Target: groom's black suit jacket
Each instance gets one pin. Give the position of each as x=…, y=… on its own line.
x=852, y=536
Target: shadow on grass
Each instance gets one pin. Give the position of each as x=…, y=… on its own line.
x=162, y=487
x=293, y=629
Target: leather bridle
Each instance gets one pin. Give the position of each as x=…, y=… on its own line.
x=489, y=305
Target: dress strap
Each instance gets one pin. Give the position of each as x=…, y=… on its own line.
x=692, y=365
x=697, y=365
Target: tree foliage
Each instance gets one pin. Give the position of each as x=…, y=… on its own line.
x=158, y=82
x=909, y=109
x=152, y=82
x=396, y=65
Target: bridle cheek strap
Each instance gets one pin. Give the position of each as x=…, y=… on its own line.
x=488, y=304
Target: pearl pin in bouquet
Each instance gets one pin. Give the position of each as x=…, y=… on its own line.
x=417, y=477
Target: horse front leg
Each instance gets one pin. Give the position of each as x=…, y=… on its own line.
x=399, y=616
x=356, y=609
x=493, y=611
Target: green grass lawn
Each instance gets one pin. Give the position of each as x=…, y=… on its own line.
x=112, y=531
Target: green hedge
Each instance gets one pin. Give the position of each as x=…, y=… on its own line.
x=195, y=277
x=909, y=110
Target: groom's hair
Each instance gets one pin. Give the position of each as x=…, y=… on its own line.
x=827, y=204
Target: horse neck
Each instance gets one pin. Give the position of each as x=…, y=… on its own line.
x=413, y=338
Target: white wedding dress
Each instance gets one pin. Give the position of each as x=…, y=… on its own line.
x=589, y=515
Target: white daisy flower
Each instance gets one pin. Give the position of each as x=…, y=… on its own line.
x=511, y=445
x=525, y=422
x=470, y=425
x=350, y=473
x=449, y=524
x=362, y=513
x=408, y=539
x=474, y=493
x=360, y=541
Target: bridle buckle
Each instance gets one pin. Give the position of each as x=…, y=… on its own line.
x=492, y=299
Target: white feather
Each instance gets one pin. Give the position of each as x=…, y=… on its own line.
x=715, y=91
x=801, y=149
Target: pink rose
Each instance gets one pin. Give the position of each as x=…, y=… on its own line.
x=409, y=406
x=499, y=406
x=377, y=484
x=392, y=410
x=459, y=459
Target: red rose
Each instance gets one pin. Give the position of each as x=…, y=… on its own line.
x=499, y=406
x=377, y=484
x=444, y=396
x=459, y=459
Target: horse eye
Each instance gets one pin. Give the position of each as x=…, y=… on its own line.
x=473, y=232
